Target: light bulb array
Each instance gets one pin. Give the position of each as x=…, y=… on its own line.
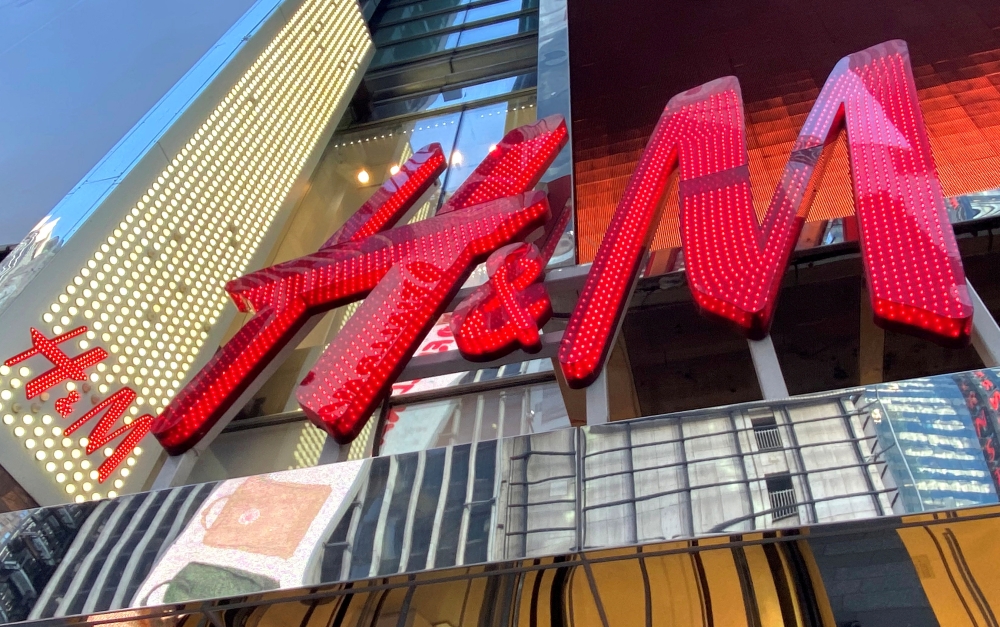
x=910, y=256
x=154, y=286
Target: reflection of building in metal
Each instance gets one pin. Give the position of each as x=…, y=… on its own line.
x=930, y=444
x=32, y=547
x=921, y=572
x=655, y=479
x=647, y=480
x=117, y=546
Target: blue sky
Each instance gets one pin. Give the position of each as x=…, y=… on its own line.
x=75, y=76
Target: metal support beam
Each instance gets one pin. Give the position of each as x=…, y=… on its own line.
x=175, y=470
x=598, y=400
x=985, y=332
x=765, y=363
x=871, y=353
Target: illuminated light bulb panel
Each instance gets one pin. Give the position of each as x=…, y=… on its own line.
x=154, y=286
x=911, y=259
x=411, y=272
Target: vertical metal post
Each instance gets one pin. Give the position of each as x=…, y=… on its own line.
x=765, y=363
x=598, y=400
x=985, y=332
x=175, y=471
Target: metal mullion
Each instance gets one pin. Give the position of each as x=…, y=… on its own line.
x=411, y=510
x=525, y=394
x=96, y=589
x=439, y=512
x=740, y=454
x=470, y=484
x=549, y=453
x=133, y=562
x=103, y=537
x=799, y=460
x=523, y=464
x=68, y=559
x=721, y=526
x=579, y=487
x=495, y=509
x=540, y=530
x=687, y=478
x=631, y=482
x=451, y=52
x=417, y=116
x=379, y=540
x=547, y=479
x=743, y=465
x=458, y=84
x=861, y=458
x=552, y=502
x=501, y=413
x=352, y=528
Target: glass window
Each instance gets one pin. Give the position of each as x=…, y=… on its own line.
x=479, y=132
x=432, y=23
x=498, y=30
x=418, y=27
x=438, y=43
x=454, y=96
x=414, y=49
x=474, y=418
x=416, y=9
x=499, y=8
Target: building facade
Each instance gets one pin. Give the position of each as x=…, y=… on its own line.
x=837, y=469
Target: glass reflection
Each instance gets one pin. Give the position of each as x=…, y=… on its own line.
x=473, y=418
x=452, y=96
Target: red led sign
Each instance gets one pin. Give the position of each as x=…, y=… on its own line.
x=74, y=369
x=408, y=274
x=911, y=260
x=734, y=260
x=508, y=310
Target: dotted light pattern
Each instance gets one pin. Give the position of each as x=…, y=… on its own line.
x=371, y=347
x=280, y=309
x=911, y=259
x=154, y=287
x=424, y=266
x=356, y=370
x=507, y=310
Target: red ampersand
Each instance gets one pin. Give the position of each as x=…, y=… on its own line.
x=506, y=310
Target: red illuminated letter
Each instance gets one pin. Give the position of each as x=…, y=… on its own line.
x=734, y=261
x=116, y=405
x=508, y=310
x=410, y=271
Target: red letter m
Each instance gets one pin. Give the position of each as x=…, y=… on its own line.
x=735, y=261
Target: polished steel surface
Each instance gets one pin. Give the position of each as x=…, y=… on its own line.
x=854, y=455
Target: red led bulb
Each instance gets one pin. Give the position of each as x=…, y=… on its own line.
x=734, y=261
x=406, y=272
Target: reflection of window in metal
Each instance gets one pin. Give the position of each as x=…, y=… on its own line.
x=782, y=496
x=116, y=547
x=486, y=408
x=662, y=478
x=417, y=511
x=765, y=432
